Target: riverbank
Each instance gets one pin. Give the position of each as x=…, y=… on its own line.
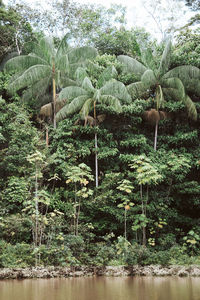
x=54, y=272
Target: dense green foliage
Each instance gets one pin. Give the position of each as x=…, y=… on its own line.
x=145, y=209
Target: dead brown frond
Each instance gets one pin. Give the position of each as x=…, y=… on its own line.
x=153, y=116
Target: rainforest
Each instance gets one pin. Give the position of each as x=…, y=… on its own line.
x=99, y=140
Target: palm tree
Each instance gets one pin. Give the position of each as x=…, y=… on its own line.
x=162, y=82
x=84, y=98
x=46, y=69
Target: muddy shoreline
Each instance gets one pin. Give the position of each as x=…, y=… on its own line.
x=81, y=271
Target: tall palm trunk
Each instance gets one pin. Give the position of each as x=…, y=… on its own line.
x=96, y=147
x=54, y=97
x=125, y=223
x=143, y=212
x=47, y=136
x=156, y=136
x=36, y=213
x=96, y=160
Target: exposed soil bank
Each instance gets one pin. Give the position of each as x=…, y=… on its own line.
x=52, y=272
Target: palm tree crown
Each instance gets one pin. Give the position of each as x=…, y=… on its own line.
x=176, y=83
x=46, y=68
x=83, y=98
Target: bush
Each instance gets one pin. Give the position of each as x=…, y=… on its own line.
x=57, y=256
x=143, y=256
x=104, y=254
x=19, y=255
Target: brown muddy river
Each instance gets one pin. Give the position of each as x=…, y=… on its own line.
x=102, y=288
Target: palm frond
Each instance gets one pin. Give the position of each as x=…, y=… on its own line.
x=62, y=64
x=37, y=90
x=159, y=98
x=38, y=51
x=116, y=89
x=131, y=65
x=92, y=121
x=87, y=85
x=71, y=92
x=137, y=90
x=111, y=101
x=148, y=79
x=29, y=77
x=71, y=108
x=22, y=62
x=191, y=108
x=80, y=74
x=66, y=82
x=174, y=88
x=109, y=73
x=63, y=47
x=101, y=118
x=81, y=54
x=165, y=60
x=74, y=67
x=193, y=87
x=6, y=58
x=46, y=45
x=148, y=59
x=86, y=108
x=189, y=75
x=153, y=116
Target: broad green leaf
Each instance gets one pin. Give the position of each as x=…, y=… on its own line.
x=148, y=59
x=111, y=101
x=23, y=62
x=165, y=60
x=137, y=89
x=62, y=64
x=159, y=98
x=86, y=108
x=116, y=89
x=174, y=87
x=29, y=77
x=191, y=108
x=37, y=89
x=81, y=54
x=131, y=65
x=71, y=108
x=63, y=47
x=148, y=79
x=80, y=74
x=87, y=85
x=71, y=92
x=189, y=75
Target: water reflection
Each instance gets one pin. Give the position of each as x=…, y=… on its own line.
x=102, y=288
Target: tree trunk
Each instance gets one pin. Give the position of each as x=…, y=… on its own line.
x=96, y=160
x=54, y=98
x=156, y=136
x=78, y=214
x=96, y=147
x=125, y=223
x=36, y=212
x=47, y=136
x=75, y=212
x=17, y=44
x=143, y=212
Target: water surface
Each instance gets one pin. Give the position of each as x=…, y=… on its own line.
x=102, y=288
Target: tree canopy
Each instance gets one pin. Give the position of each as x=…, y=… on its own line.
x=143, y=207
